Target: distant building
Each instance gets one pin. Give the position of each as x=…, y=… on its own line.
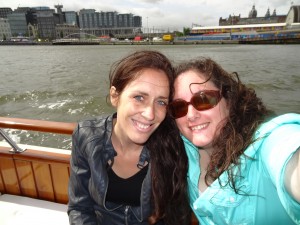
x=137, y=21
x=268, y=13
x=5, y=32
x=260, y=27
x=65, y=30
x=253, y=12
x=108, y=23
x=43, y=22
x=125, y=20
x=18, y=23
x=87, y=18
x=293, y=15
x=253, y=19
x=32, y=30
x=4, y=12
x=71, y=18
x=59, y=16
x=33, y=22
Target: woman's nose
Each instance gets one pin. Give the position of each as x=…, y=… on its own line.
x=148, y=112
x=192, y=113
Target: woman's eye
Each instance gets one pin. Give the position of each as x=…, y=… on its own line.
x=163, y=103
x=139, y=98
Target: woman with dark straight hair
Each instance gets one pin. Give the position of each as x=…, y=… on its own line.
x=130, y=167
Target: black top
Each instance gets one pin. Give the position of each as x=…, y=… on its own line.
x=126, y=191
x=92, y=150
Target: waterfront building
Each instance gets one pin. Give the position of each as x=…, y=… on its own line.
x=128, y=24
x=41, y=22
x=18, y=22
x=291, y=20
x=66, y=30
x=125, y=20
x=253, y=18
x=4, y=12
x=71, y=18
x=293, y=17
x=253, y=12
x=87, y=18
x=45, y=23
x=5, y=32
x=32, y=30
x=137, y=21
x=108, y=23
x=33, y=22
x=90, y=19
x=110, y=19
x=271, y=31
x=59, y=16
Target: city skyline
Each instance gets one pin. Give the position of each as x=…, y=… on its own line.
x=167, y=14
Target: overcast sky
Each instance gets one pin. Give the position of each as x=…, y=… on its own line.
x=167, y=14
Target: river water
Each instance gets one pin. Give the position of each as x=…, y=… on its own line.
x=70, y=83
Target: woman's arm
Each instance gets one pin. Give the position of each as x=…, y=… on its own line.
x=80, y=206
x=292, y=176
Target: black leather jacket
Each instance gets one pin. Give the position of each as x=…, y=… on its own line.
x=92, y=149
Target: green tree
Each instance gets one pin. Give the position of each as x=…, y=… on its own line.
x=178, y=34
x=186, y=31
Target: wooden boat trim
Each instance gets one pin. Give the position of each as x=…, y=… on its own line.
x=39, y=172
x=35, y=173
x=37, y=125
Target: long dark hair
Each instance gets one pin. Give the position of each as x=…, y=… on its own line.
x=169, y=175
x=167, y=154
x=246, y=113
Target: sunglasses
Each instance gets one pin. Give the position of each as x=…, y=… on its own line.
x=202, y=100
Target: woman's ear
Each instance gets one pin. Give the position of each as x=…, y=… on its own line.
x=114, y=96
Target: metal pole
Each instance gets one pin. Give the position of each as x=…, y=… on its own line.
x=13, y=144
x=231, y=26
x=147, y=30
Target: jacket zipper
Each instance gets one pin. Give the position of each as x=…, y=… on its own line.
x=126, y=214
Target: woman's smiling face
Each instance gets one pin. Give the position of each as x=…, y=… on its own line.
x=141, y=106
x=200, y=127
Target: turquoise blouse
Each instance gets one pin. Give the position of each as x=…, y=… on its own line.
x=263, y=198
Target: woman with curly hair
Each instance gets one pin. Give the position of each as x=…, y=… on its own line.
x=244, y=162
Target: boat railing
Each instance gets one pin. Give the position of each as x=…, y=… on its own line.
x=39, y=172
x=33, y=125
x=37, y=125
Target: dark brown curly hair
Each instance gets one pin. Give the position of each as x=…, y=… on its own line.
x=246, y=113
